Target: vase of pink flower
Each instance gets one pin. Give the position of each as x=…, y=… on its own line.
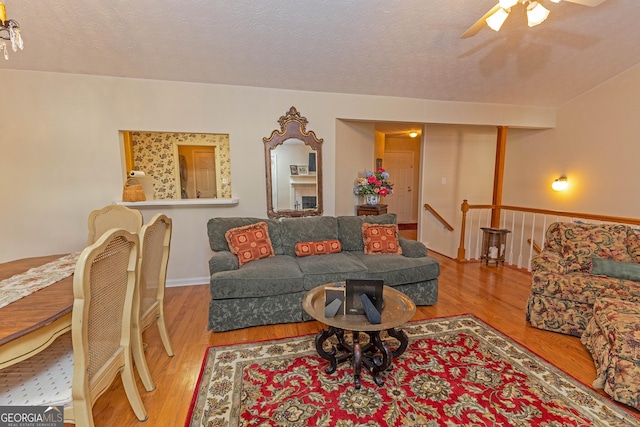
x=373, y=186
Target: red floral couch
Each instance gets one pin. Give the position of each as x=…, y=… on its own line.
x=564, y=287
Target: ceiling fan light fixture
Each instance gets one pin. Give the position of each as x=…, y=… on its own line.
x=9, y=31
x=496, y=20
x=536, y=13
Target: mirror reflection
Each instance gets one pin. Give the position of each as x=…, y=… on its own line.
x=293, y=176
x=293, y=160
x=180, y=165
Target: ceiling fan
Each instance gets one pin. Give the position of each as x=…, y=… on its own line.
x=536, y=14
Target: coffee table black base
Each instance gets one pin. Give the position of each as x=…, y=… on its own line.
x=376, y=355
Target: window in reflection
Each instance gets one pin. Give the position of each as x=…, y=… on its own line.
x=181, y=165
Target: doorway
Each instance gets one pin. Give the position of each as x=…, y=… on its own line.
x=204, y=163
x=399, y=164
x=401, y=151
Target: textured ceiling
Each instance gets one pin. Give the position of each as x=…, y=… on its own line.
x=406, y=48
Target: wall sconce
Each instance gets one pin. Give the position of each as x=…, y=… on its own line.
x=413, y=134
x=560, y=184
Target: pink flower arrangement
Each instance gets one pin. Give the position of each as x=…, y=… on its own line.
x=374, y=183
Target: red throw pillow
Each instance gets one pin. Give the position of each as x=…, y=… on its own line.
x=250, y=242
x=318, y=248
x=380, y=239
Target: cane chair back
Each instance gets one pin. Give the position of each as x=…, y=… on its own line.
x=98, y=347
x=155, y=241
x=113, y=216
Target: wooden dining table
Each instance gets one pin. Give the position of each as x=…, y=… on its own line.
x=32, y=323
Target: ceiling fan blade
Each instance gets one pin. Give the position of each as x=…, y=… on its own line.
x=592, y=3
x=481, y=23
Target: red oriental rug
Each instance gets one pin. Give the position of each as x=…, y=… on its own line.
x=456, y=371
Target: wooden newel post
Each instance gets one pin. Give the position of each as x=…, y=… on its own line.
x=461, y=251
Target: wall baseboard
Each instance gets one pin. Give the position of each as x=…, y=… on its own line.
x=188, y=281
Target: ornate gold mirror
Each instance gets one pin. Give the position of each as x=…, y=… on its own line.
x=293, y=165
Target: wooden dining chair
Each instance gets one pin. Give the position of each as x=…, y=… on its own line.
x=79, y=366
x=155, y=240
x=113, y=216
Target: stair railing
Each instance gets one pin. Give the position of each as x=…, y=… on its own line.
x=439, y=217
x=527, y=226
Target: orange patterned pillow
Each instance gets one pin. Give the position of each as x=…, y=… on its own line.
x=318, y=248
x=380, y=239
x=250, y=242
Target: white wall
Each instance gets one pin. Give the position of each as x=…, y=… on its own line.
x=61, y=154
x=595, y=144
x=354, y=155
x=458, y=164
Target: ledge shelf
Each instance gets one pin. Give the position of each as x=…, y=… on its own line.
x=181, y=202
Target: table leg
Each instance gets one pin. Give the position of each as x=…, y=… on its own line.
x=379, y=363
x=357, y=359
x=322, y=336
x=400, y=336
x=376, y=355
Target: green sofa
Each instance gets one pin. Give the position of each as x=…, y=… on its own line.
x=270, y=290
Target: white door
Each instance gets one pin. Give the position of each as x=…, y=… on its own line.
x=399, y=164
x=205, y=174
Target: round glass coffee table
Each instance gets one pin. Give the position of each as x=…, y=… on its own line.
x=376, y=355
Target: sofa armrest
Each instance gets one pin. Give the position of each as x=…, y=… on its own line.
x=550, y=261
x=223, y=261
x=412, y=248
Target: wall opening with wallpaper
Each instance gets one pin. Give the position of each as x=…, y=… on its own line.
x=178, y=165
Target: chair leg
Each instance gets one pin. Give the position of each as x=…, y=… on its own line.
x=131, y=389
x=80, y=413
x=137, y=349
x=164, y=334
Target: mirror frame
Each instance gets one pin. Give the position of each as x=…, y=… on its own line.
x=293, y=126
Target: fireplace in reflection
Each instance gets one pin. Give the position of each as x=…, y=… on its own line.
x=309, y=202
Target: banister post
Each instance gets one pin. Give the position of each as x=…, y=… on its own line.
x=461, y=251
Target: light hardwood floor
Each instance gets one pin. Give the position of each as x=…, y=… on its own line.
x=496, y=295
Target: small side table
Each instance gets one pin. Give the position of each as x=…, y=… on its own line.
x=494, y=244
x=372, y=210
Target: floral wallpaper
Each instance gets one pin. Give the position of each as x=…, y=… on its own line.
x=154, y=154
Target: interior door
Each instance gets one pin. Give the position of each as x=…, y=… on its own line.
x=205, y=173
x=399, y=164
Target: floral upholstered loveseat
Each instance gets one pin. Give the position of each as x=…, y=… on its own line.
x=270, y=290
x=579, y=263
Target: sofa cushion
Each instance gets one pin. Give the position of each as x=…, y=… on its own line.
x=307, y=229
x=397, y=269
x=350, y=229
x=578, y=243
x=633, y=247
x=323, y=247
x=620, y=270
x=217, y=227
x=250, y=242
x=319, y=270
x=576, y=286
x=380, y=239
x=268, y=276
